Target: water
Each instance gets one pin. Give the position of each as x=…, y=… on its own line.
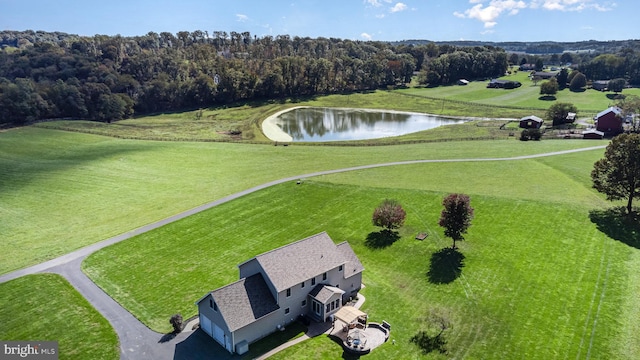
x=310, y=124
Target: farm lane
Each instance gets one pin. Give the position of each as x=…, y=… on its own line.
x=136, y=340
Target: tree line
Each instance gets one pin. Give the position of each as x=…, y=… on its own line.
x=104, y=78
x=56, y=75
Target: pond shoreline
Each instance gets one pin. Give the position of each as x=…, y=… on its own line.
x=273, y=132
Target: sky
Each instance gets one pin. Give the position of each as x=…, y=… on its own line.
x=380, y=20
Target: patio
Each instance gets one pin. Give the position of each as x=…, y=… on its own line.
x=358, y=336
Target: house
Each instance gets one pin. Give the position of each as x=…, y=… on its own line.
x=531, y=122
x=609, y=121
x=503, y=84
x=600, y=85
x=463, y=82
x=571, y=117
x=592, y=134
x=527, y=67
x=544, y=75
x=311, y=277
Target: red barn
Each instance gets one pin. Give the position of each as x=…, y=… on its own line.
x=609, y=121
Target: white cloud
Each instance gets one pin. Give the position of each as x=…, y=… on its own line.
x=399, y=7
x=365, y=36
x=241, y=18
x=572, y=5
x=380, y=16
x=489, y=11
x=377, y=3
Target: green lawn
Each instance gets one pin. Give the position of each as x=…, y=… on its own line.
x=589, y=102
x=539, y=279
x=46, y=307
x=64, y=190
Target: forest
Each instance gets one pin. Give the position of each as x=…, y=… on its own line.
x=55, y=75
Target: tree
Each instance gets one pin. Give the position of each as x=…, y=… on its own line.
x=578, y=82
x=389, y=214
x=539, y=64
x=176, y=323
x=617, y=175
x=530, y=134
x=456, y=216
x=558, y=112
x=630, y=105
x=562, y=77
x=617, y=85
x=549, y=87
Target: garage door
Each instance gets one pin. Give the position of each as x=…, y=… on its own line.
x=205, y=324
x=218, y=334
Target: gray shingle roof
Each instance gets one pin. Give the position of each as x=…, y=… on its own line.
x=352, y=264
x=244, y=301
x=299, y=261
x=323, y=293
x=532, y=117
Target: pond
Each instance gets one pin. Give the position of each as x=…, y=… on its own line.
x=313, y=124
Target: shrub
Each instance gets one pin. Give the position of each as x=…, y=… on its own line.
x=176, y=322
x=530, y=134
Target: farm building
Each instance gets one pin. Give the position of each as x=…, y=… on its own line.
x=531, y=122
x=463, y=82
x=609, y=121
x=592, y=134
x=311, y=277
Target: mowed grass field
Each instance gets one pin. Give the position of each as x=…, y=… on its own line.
x=46, y=307
x=539, y=278
x=64, y=190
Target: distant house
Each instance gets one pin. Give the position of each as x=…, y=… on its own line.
x=463, y=82
x=571, y=117
x=527, y=67
x=531, y=122
x=311, y=277
x=592, y=134
x=503, y=84
x=544, y=75
x=600, y=85
x=609, y=121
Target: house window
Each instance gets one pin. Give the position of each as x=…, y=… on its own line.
x=213, y=305
x=313, y=281
x=340, y=268
x=328, y=308
x=333, y=305
x=304, y=303
x=324, y=276
x=286, y=311
x=337, y=303
x=303, y=284
x=288, y=292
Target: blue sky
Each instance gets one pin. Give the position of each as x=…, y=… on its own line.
x=385, y=20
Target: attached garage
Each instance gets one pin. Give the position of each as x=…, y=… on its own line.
x=218, y=334
x=205, y=324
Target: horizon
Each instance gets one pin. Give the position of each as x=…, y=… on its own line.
x=375, y=20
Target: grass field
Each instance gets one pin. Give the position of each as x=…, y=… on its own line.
x=47, y=308
x=473, y=100
x=62, y=191
x=539, y=279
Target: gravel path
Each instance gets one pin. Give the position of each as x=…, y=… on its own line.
x=139, y=342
